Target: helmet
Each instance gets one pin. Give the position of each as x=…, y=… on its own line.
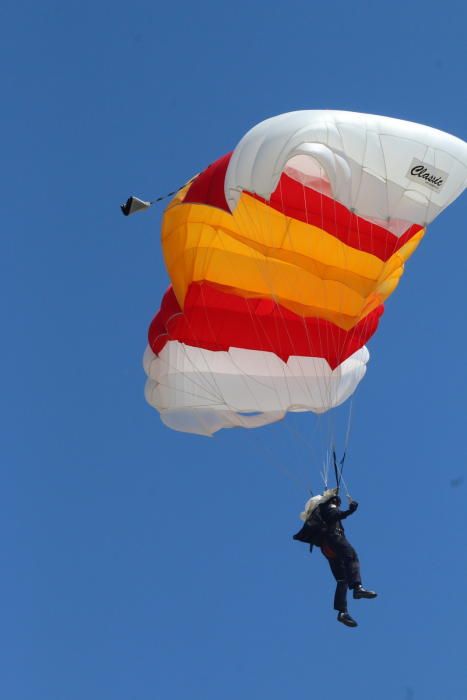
x=329, y=494
x=316, y=501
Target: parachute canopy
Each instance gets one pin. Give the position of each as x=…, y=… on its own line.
x=281, y=255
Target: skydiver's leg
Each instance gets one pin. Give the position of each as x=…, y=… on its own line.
x=338, y=571
x=340, y=597
x=350, y=561
x=351, y=565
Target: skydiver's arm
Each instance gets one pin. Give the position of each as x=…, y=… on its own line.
x=331, y=513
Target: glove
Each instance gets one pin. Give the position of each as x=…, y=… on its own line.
x=353, y=505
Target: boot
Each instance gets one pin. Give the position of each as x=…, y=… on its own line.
x=345, y=618
x=360, y=592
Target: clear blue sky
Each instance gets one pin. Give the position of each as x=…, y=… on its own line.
x=138, y=563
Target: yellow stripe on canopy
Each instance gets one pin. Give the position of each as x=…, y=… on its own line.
x=259, y=252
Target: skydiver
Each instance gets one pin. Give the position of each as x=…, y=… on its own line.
x=323, y=527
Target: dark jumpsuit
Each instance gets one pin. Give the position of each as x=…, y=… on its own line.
x=342, y=557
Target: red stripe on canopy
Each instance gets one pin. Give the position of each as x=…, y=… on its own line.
x=216, y=320
x=299, y=202
x=208, y=188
